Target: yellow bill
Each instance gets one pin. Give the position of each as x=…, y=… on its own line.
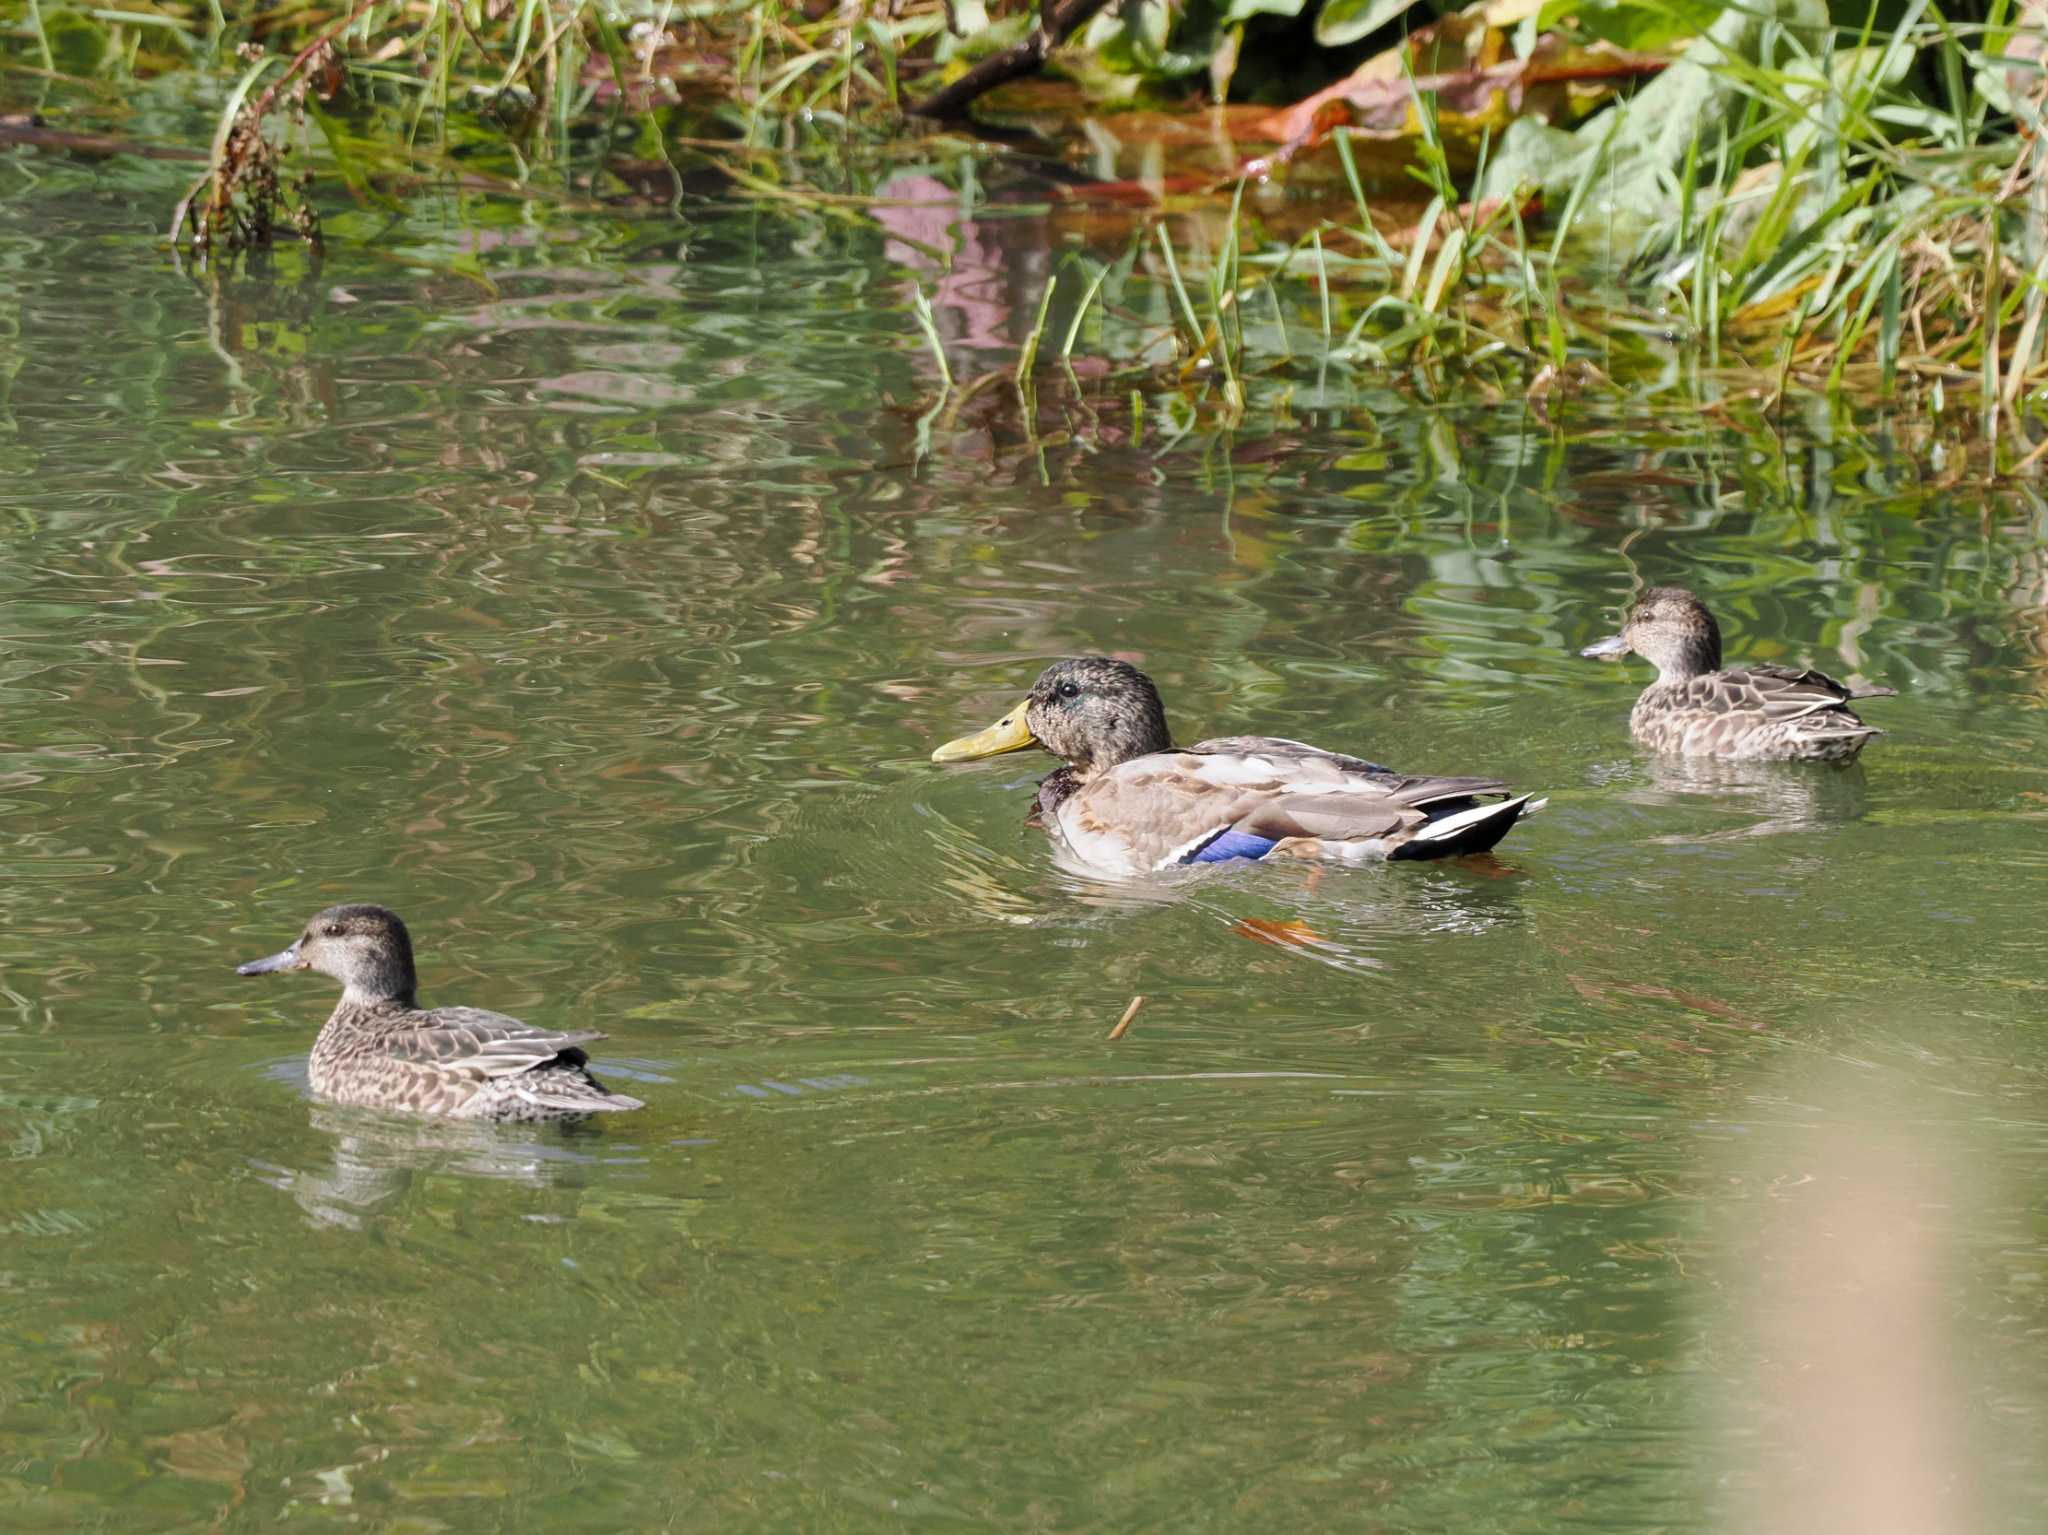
x=1011, y=733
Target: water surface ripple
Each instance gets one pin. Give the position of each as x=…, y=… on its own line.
x=600, y=617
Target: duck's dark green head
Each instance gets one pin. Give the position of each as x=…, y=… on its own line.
x=1670, y=628
x=1092, y=712
x=366, y=948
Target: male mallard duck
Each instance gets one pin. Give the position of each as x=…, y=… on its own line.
x=1129, y=801
x=381, y=1050
x=1697, y=708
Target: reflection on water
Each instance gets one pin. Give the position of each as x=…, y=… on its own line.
x=594, y=594
x=375, y=1158
x=1769, y=798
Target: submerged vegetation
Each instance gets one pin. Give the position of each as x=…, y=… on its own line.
x=1527, y=196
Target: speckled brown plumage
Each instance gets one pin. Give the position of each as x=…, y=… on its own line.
x=1697, y=707
x=379, y=1049
x=1128, y=801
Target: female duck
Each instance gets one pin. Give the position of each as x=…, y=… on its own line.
x=1129, y=801
x=379, y=1049
x=1698, y=708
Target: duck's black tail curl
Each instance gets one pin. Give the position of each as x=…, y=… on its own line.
x=1468, y=831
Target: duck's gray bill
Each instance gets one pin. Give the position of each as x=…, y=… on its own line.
x=1609, y=649
x=288, y=960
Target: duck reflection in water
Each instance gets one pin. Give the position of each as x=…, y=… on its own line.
x=378, y=1158
x=1785, y=797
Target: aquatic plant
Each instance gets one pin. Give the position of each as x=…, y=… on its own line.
x=1781, y=199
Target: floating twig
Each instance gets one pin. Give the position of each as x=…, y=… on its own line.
x=1125, y=1021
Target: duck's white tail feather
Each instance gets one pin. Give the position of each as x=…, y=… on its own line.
x=1468, y=831
x=577, y=1094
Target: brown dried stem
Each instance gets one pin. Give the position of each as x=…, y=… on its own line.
x=1020, y=59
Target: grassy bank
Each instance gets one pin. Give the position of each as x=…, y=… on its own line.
x=1853, y=207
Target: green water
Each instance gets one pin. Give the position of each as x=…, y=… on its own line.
x=592, y=594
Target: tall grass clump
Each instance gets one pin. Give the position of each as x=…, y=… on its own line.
x=1864, y=211
x=1872, y=221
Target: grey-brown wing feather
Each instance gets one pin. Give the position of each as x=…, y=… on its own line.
x=1293, y=767
x=1280, y=746
x=1363, y=817
x=1331, y=818
x=1778, y=694
x=1429, y=789
x=1807, y=677
x=492, y=1044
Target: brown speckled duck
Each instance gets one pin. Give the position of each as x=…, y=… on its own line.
x=1129, y=801
x=1698, y=708
x=379, y=1049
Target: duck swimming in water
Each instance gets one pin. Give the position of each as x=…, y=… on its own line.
x=380, y=1049
x=1699, y=708
x=1129, y=801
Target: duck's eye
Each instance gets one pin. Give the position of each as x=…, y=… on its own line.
x=1069, y=690
x=334, y=930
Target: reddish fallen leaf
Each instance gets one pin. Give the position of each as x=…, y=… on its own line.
x=1489, y=866
x=1186, y=184
x=1298, y=935
x=1605, y=993
x=1708, y=1005
x=1591, y=991
x=1377, y=102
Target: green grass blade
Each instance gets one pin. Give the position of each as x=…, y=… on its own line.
x=922, y=308
x=1081, y=313
x=1027, y=359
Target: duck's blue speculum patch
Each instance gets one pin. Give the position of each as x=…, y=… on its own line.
x=1228, y=844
